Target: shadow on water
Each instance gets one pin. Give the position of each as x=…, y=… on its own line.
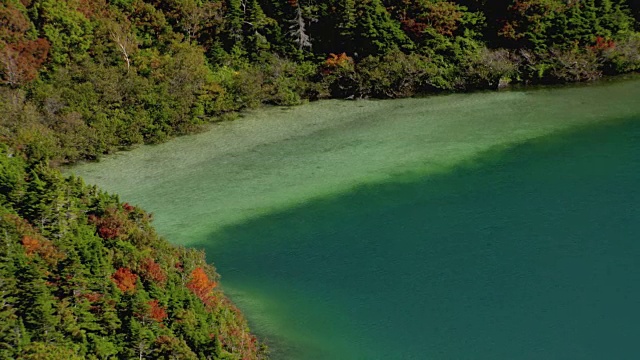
x=485, y=162
x=524, y=252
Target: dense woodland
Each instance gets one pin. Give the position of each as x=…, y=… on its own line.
x=83, y=78
x=83, y=275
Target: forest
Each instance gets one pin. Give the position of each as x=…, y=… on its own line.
x=82, y=78
x=84, y=275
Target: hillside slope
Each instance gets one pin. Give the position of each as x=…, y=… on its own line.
x=85, y=276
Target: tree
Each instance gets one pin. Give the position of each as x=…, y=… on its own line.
x=298, y=30
x=255, y=25
x=20, y=62
x=152, y=271
x=168, y=347
x=156, y=312
x=125, y=280
x=235, y=20
x=68, y=31
x=358, y=28
x=142, y=339
x=49, y=351
x=21, y=56
x=36, y=304
x=194, y=16
x=124, y=40
x=201, y=286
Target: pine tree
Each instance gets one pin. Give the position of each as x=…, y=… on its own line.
x=35, y=302
x=253, y=28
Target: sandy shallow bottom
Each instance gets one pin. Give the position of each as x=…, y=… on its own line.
x=493, y=225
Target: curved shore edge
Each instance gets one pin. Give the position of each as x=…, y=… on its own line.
x=270, y=162
x=279, y=157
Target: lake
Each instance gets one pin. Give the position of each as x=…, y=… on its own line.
x=500, y=225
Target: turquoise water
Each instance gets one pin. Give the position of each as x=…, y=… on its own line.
x=486, y=226
x=533, y=255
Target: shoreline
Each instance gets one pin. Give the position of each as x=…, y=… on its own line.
x=234, y=146
x=236, y=115
x=299, y=232
x=297, y=140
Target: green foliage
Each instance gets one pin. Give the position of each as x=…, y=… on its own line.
x=399, y=75
x=374, y=31
x=63, y=243
x=83, y=276
x=287, y=82
x=68, y=31
x=84, y=79
x=624, y=57
x=541, y=25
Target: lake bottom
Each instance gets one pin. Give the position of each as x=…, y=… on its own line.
x=526, y=253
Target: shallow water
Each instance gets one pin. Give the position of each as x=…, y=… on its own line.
x=485, y=226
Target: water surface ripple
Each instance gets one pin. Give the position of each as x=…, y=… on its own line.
x=484, y=226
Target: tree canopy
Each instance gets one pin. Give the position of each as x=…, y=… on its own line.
x=83, y=275
x=83, y=78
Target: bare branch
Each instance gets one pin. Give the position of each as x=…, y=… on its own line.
x=298, y=30
x=125, y=42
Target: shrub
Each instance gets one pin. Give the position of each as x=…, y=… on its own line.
x=574, y=65
x=396, y=75
x=624, y=56
x=490, y=67
x=287, y=82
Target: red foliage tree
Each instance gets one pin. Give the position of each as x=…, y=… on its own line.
x=201, y=286
x=20, y=57
x=417, y=16
x=128, y=207
x=20, y=62
x=156, y=312
x=92, y=297
x=602, y=44
x=92, y=9
x=153, y=271
x=112, y=225
x=413, y=27
x=125, y=279
x=13, y=23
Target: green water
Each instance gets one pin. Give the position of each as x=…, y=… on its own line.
x=485, y=226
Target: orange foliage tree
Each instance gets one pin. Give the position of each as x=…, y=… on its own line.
x=335, y=61
x=125, y=279
x=201, y=286
x=31, y=245
x=42, y=247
